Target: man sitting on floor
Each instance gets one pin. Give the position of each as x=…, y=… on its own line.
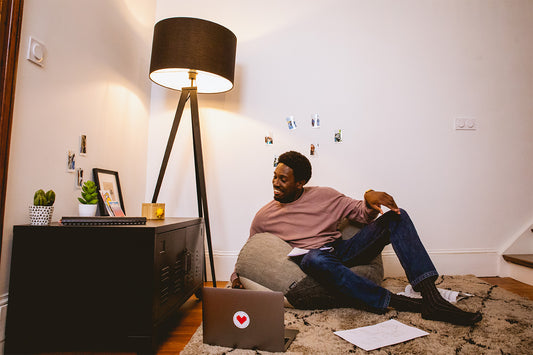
x=306, y=217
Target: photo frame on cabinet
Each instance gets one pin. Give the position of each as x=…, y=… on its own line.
x=108, y=180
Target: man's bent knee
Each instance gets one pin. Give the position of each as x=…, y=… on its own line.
x=313, y=260
x=391, y=216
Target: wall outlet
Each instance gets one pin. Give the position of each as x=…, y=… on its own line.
x=468, y=124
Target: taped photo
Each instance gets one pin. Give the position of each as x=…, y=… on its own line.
x=83, y=144
x=269, y=139
x=291, y=123
x=71, y=161
x=315, y=121
x=337, y=138
x=313, y=149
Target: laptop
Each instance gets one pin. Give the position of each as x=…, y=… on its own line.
x=245, y=319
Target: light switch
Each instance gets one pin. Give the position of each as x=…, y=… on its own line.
x=36, y=52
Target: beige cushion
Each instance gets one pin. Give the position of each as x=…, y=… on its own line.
x=263, y=263
x=263, y=259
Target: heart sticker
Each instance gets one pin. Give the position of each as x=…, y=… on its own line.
x=241, y=319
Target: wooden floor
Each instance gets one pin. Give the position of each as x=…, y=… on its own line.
x=190, y=314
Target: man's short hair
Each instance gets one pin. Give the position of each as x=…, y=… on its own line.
x=299, y=164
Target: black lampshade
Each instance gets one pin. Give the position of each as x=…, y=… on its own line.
x=182, y=44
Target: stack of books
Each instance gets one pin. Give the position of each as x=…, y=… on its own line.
x=113, y=207
x=101, y=221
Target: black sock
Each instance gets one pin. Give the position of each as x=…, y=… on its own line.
x=435, y=307
x=405, y=304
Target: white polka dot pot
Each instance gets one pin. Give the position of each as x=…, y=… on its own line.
x=41, y=215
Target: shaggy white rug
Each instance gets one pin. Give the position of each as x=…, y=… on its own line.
x=506, y=328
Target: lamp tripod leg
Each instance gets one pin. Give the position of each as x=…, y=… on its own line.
x=177, y=117
x=201, y=191
x=191, y=93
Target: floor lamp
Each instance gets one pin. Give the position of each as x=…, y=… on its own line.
x=193, y=56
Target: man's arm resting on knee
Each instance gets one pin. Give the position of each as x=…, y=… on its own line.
x=375, y=199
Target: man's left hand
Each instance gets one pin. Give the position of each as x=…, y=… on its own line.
x=376, y=199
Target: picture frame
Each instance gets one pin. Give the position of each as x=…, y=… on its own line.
x=108, y=180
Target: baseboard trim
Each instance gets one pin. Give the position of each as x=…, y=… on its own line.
x=479, y=262
x=224, y=265
x=3, y=299
x=3, y=313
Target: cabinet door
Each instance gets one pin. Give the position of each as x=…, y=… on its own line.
x=195, y=257
x=79, y=288
x=170, y=270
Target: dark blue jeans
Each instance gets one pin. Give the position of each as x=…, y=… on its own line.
x=331, y=268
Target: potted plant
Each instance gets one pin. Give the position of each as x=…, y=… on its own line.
x=42, y=208
x=88, y=199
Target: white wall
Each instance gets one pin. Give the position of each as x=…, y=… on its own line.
x=393, y=75
x=95, y=82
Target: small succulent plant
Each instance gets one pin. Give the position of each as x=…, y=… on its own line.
x=41, y=198
x=89, y=193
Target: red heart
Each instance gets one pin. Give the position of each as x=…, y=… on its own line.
x=241, y=319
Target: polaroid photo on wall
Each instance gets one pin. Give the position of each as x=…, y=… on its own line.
x=313, y=149
x=275, y=163
x=315, y=120
x=337, y=136
x=79, y=178
x=83, y=144
x=71, y=161
x=269, y=139
x=291, y=123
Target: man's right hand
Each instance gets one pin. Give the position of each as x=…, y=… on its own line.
x=374, y=200
x=236, y=283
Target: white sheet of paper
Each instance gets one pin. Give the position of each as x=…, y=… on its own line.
x=448, y=295
x=379, y=335
x=300, y=251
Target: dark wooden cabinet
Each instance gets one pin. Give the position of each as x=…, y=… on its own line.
x=108, y=288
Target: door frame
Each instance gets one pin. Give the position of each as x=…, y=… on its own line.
x=10, y=31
